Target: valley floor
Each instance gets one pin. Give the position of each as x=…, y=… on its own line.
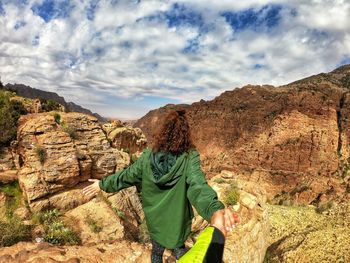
x=300, y=234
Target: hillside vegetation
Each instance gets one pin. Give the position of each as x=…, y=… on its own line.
x=306, y=234
x=10, y=111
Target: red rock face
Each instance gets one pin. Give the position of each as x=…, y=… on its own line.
x=292, y=135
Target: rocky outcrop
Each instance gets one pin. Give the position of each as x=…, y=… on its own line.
x=120, y=251
x=108, y=225
x=58, y=152
x=296, y=133
x=96, y=222
x=8, y=169
x=249, y=241
x=126, y=138
x=2, y=205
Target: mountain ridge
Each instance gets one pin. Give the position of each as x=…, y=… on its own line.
x=285, y=136
x=34, y=93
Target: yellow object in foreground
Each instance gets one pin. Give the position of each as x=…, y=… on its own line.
x=208, y=248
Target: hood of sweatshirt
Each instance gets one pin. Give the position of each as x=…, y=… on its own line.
x=167, y=168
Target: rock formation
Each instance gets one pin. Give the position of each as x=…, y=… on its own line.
x=119, y=252
x=292, y=136
x=8, y=169
x=125, y=138
x=249, y=240
x=58, y=152
x=118, y=218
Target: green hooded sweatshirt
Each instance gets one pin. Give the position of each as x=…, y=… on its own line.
x=167, y=201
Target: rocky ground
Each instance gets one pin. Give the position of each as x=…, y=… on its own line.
x=305, y=234
x=111, y=228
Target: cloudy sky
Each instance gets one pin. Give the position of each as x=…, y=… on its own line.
x=122, y=58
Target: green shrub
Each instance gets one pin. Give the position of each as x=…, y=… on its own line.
x=49, y=105
x=55, y=230
x=219, y=180
x=57, y=117
x=93, y=224
x=231, y=194
x=13, y=232
x=72, y=132
x=46, y=217
x=144, y=236
x=119, y=212
x=10, y=111
x=41, y=153
x=58, y=233
x=14, y=196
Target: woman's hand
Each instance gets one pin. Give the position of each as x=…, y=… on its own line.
x=225, y=220
x=93, y=189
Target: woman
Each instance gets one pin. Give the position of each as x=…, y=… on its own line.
x=171, y=181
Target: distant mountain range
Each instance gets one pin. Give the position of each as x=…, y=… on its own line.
x=33, y=93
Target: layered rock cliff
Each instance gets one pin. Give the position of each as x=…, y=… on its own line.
x=56, y=153
x=293, y=138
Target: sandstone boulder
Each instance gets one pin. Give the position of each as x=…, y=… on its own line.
x=48, y=156
x=96, y=222
x=126, y=138
x=8, y=169
x=58, y=152
x=120, y=251
x=90, y=140
x=64, y=200
x=249, y=240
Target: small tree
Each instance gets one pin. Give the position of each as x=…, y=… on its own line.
x=10, y=111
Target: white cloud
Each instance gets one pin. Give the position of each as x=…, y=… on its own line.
x=127, y=50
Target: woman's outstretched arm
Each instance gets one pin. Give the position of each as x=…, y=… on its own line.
x=122, y=179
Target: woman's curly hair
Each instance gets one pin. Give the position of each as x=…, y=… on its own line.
x=174, y=134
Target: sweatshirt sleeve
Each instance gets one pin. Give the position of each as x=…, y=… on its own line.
x=130, y=176
x=200, y=194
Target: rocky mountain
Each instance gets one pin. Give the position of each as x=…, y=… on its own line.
x=33, y=93
x=293, y=139
x=52, y=159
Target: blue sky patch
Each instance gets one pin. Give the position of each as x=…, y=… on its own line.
x=344, y=61
x=90, y=12
x=152, y=65
x=254, y=19
x=180, y=15
x=2, y=10
x=35, y=41
x=19, y=24
x=149, y=102
x=193, y=46
x=50, y=9
x=258, y=66
x=99, y=51
x=126, y=44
